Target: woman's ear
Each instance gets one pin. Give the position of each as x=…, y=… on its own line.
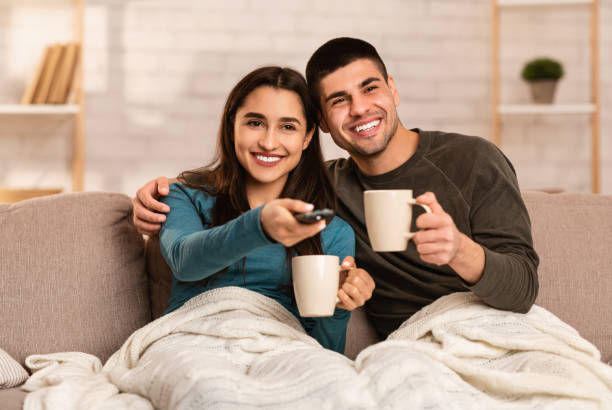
x=308, y=138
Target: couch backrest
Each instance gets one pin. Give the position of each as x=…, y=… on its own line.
x=572, y=234
x=73, y=275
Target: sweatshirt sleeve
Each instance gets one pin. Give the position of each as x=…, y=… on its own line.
x=501, y=225
x=192, y=249
x=331, y=331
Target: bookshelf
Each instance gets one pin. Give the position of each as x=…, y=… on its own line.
x=75, y=109
x=591, y=108
x=528, y=109
x=38, y=109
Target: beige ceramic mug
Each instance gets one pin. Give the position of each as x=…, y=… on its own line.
x=315, y=284
x=388, y=215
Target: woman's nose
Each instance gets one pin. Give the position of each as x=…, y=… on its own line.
x=268, y=140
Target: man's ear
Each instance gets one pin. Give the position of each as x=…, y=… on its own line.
x=323, y=124
x=308, y=138
x=393, y=88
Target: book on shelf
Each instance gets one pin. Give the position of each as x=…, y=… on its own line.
x=76, y=82
x=30, y=91
x=53, y=79
x=42, y=91
x=64, y=74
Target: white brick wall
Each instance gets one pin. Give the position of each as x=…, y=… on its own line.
x=157, y=73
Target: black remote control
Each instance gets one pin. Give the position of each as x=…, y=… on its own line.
x=315, y=216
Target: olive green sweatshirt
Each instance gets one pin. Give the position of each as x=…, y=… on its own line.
x=476, y=185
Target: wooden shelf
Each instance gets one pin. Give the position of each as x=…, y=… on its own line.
x=527, y=109
x=510, y=3
x=38, y=109
x=592, y=108
x=76, y=110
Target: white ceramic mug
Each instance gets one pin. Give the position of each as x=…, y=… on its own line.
x=388, y=215
x=315, y=284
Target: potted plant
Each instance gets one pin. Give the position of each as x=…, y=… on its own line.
x=542, y=74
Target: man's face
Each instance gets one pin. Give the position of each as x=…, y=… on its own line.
x=359, y=108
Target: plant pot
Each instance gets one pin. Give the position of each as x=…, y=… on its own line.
x=543, y=91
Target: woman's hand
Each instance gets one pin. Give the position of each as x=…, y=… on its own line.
x=279, y=223
x=356, y=285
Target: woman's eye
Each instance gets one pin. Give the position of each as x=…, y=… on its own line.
x=254, y=123
x=289, y=127
x=337, y=100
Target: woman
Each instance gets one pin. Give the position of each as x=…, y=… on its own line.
x=231, y=223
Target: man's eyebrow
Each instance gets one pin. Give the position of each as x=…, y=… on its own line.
x=369, y=80
x=342, y=93
x=335, y=95
x=263, y=117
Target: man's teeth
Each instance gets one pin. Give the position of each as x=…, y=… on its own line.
x=267, y=159
x=367, y=126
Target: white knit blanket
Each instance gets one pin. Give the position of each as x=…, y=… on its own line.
x=231, y=348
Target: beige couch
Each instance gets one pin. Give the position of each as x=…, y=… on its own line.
x=77, y=277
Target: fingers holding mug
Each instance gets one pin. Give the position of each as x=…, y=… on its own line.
x=439, y=239
x=356, y=289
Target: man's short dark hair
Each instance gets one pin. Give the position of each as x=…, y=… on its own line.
x=335, y=54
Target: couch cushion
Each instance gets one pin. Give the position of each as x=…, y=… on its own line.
x=160, y=277
x=73, y=275
x=572, y=235
x=360, y=333
x=12, y=399
x=11, y=373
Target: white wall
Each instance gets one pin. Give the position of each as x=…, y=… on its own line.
x=157, y=73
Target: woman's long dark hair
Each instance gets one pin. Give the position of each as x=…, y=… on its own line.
x=225, y=178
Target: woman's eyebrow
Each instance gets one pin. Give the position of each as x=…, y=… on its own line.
x=290, y=119
x=263, y=117
x=255, y=115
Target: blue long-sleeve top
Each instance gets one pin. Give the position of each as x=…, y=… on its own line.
x=195, y=251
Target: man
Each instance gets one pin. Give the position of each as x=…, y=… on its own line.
x=478, y=235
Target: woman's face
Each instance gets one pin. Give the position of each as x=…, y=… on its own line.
x=269, y=135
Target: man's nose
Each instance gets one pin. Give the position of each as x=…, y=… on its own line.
x=359, y=106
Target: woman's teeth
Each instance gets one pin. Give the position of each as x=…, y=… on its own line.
x=367, y=126
x=267, y=159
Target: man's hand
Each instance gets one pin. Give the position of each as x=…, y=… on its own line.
x=440, y=242
x=356, y=285
x=278, y=222
x=147, y=217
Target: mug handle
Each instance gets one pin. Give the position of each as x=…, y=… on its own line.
x=411, y=202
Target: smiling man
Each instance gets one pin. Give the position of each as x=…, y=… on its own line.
x=478, y=236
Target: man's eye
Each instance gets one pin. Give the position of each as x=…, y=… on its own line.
x=254, y=123
x=370, y=88
x=337, y=100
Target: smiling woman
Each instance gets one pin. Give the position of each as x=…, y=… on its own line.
x=270, y=135
x=231, y=223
